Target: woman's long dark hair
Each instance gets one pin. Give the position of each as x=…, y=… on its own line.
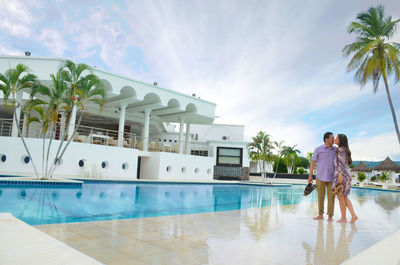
x=343, y=142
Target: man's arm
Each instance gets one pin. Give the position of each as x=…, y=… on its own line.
x=312, y=166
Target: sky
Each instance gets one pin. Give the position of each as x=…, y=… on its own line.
x=273, y=66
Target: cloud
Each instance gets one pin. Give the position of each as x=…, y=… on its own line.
x=54, y=40
x=6, y=49
x=16, y=18
x=375, y=148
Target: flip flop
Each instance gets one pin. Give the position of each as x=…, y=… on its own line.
x=309, y=188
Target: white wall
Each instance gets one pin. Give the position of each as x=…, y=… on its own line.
x=217, y=131
x=93, y=154
x=214, y=144
x=155, y=167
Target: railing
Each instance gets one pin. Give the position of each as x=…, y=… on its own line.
x=5, y=127
x=98, y=136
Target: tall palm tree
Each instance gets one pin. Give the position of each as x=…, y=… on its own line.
x=374, y=55
x=290, y=153
x=47, y=102
x=12, y=82
x=84, y=88
x=261, y=149
x=278, y=147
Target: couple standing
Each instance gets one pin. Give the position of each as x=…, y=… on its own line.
x=333, y=174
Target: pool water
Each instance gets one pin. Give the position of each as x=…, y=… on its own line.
x=92, y=202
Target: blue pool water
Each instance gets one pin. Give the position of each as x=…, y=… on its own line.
x=93, y=201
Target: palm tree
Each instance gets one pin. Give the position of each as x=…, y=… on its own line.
x=278, y=147
x=47, y=102
x=83, y=88
x=290, y=153
x=374, y=55
x=261, y=149
x=13, y=82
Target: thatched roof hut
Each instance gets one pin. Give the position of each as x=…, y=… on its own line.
x=387, y=165
x=362, y=167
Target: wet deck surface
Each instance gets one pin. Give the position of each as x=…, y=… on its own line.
x=270, y=235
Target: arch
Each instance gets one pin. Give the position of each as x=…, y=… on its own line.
x=128, y=91
x=107, y=87
x=152, y=97
x=191, y=107
x=173, y=103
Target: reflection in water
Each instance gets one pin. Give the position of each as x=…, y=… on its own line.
x=388, y=201
x=325, y=251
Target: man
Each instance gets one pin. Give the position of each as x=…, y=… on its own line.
x=324, y=156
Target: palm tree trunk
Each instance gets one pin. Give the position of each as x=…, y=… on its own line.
x=26, y=147
x=64, y=137
x=276, y=169
x=48, y=150
x=396, y=126
x=43, y=152
x=65, y=148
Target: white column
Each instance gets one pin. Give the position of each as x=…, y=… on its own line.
x=121, y=125
x=62, y=125
x=14, y=130
x=187, y=138
x=72, y=119
x=145, y=134
x=180, y=141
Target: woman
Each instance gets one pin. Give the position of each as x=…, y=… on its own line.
x=343, y=176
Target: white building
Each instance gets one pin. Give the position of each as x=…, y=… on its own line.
x=144, y=131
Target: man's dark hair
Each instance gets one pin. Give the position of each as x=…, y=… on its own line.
x=327, y=135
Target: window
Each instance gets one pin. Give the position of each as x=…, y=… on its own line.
x=199, y=152
x=228, y=156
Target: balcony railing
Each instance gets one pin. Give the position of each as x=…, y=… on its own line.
x=98, y=136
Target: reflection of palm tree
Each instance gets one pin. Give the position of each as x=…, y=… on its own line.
x=40, y=201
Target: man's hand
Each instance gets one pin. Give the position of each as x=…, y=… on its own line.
x=310, y=180
x=312, y=166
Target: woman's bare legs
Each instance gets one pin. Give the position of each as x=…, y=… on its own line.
x=342, y=203
x=349, y=205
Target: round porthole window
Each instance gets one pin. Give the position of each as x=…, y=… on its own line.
x=104, y=164
x=197, y=170
x=125, y=166
x=81, y=162
x=209, y=171
x=183, y=169
x=3, y=158
x=26, y=159
x=169, y=168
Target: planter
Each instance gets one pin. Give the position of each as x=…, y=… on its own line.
x=384, y=186
x=361, y=184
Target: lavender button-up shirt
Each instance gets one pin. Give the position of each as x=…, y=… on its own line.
x=324, y=158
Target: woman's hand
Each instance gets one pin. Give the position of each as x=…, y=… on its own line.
x=340, y=178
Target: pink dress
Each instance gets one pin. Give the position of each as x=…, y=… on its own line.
x=341, y=165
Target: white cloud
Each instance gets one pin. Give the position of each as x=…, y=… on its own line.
x=375, y=148
x=6, y=49
x=16, y=18
x=54, y=40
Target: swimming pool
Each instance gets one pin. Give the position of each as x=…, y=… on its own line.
x=96, y=201
x=108, y=201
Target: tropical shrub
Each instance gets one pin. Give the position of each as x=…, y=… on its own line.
x=361, y=176
x=301, y=170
